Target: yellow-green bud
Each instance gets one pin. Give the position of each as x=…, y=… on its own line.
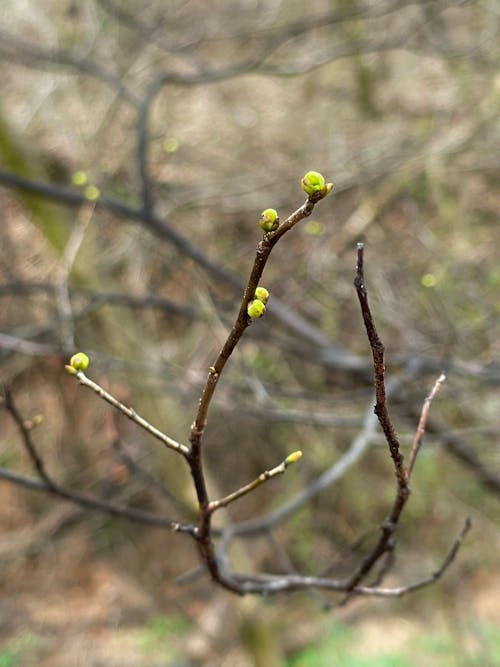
x=314, y=184
x=269, y=220
x=79, y=362
x=293, y=457
x=262, y=294
x=79, y=178
x=92, y=192
x=256, y=309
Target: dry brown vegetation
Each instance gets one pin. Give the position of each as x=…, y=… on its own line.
x=397, y=103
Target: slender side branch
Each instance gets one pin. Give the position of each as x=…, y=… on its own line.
x=417, y=441
x=263, y=477
x=327, y=479
x=431, y=579
x=132, y=415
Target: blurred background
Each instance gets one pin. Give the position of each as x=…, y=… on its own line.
x=139, y=143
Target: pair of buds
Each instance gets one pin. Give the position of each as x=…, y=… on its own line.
x=257, y=307
x=313, y=184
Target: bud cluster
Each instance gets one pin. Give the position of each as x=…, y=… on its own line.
x=257, y=307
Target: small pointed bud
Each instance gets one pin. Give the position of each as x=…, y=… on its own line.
x=269, y=220
x=256, y=309
x=328, y=188
x=293, y=457
x=78, y=362
x=262, y=294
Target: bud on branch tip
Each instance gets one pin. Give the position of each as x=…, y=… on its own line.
x=78, y=362
x=293, y=457
x=314, y=183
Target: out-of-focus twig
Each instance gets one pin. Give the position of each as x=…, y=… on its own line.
x=63, y=300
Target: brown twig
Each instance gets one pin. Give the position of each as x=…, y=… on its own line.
x=251, y=486
x=389, y=526
x=424, y=416
x=132, y=415
x=377, y=348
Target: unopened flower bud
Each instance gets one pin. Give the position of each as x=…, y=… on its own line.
x=78, y=362
x=314, y=184
x=262, y=294
x=293, y=457
x=256, y=309
x=269, y=220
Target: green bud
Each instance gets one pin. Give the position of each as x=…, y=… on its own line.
x=262, y=294
x=92, y=193
x=79, y=362
x=79, y=178
x=313, y=182
x=256, y=309
x=269, y=220
x=293, y=457
x=314, y=185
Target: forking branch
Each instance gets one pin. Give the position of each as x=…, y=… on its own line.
x=215, y=558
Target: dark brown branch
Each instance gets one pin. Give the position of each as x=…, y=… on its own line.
x=389, y=526
x=194, y=458
x=377, y=348
x=427, y=581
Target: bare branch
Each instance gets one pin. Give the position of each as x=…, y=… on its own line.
x=132, y=415
x=377, y=348
x=403, y=590
x=263, y=477
x=417, y=442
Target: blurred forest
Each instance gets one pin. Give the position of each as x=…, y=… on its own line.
x=139, y=143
